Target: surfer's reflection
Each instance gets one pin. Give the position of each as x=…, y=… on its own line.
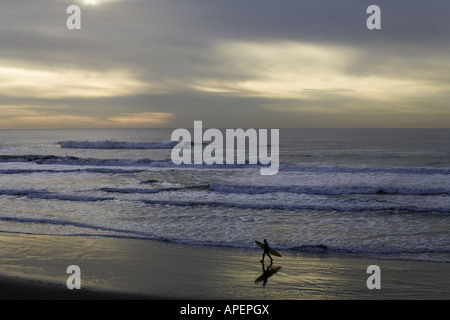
x=267, y=272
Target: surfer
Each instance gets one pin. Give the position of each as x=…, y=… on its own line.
x=266, y=251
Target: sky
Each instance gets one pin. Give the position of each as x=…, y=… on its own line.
x=228, y=63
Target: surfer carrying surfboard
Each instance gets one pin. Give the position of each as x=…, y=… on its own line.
x=266, y=251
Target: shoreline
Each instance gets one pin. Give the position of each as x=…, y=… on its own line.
x=34, y=267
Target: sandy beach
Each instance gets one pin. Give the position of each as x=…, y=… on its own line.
x=34, y=267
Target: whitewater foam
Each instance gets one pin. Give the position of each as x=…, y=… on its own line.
x=326, y=190
x=316, y=207
x=46, y=195
x=332, y=194
x=167, y=163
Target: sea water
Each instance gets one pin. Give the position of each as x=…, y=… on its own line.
x=369, y=192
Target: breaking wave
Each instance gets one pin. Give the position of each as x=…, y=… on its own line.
x=326, y=190
x=42, y=194
x=109, y=144
x=286, y=207
x=167, y=163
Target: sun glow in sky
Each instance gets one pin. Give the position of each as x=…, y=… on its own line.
x=96, y=2
x=229, y=63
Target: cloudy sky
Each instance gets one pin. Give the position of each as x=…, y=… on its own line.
x=230, y=63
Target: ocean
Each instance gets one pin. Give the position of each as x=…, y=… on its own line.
x=380, y=193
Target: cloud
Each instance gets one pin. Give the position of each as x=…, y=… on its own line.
x=295, y=70
x=226, y=61
x=59, y=117
x=48, y=83
x=142, y=120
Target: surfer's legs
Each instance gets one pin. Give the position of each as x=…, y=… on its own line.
x=268, y=254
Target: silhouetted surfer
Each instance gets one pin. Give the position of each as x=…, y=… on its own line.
x=266, y=251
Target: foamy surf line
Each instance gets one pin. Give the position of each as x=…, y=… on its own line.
x=334, y=206
x=76, y=161
x=325, y=190
x=143, y=162
x=424, y=254
x=258, y=190
x=151, y=191
x=65, y=223
x=53, y=171
x=46, y=195
x=283, y=207
x=167, y=163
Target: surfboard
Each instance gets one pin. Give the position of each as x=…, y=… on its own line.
x=271, y=251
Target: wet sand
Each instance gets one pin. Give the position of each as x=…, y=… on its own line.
x=34, y=267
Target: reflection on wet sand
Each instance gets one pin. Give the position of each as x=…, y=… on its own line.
x=268, y=271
